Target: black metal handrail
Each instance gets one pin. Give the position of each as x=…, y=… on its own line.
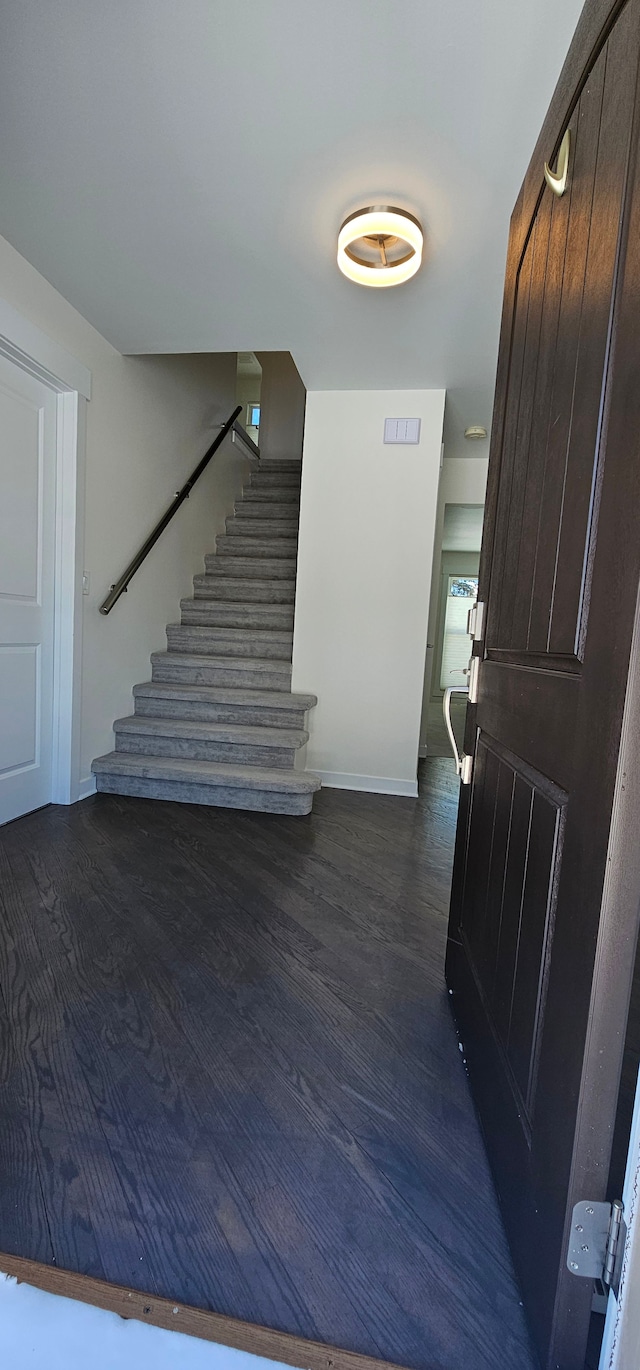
x=181, y=495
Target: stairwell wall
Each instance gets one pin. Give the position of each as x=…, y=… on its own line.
x=365, y=552
x=148, y=422
x=282, y=407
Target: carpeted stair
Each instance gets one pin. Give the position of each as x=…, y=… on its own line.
x=217, y=723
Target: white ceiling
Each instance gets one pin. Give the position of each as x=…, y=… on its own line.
x=179, y=170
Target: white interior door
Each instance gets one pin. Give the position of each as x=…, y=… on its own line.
x=27, y=565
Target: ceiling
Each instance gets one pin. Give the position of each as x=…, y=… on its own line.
x=179, y=171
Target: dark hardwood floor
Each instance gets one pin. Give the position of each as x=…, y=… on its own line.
x=229, y=1073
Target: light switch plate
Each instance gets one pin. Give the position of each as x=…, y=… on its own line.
x=402, y=430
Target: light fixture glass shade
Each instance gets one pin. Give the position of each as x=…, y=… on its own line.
x=380, y=246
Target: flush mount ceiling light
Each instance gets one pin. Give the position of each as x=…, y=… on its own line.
x=380, y=246
x=475, y=433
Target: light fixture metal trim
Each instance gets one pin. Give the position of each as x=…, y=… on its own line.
x=380, y=245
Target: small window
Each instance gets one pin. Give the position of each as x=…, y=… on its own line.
x=253, y=415
x=463, y=587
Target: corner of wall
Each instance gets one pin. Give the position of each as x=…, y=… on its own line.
x=364, y=571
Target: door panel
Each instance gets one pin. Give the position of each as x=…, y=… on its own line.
x=560, y=588
x=554, y=402
x=27, y=513
x=508, y=908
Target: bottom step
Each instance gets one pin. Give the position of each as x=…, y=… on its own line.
x=206, y=782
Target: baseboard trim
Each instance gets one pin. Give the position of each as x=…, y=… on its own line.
x=195, y=1322
x=369, y=784
x=86, y=787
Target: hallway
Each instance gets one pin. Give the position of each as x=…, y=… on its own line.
x=230, y=1074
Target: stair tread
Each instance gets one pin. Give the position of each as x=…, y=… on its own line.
x=273, y=474
x=272, y=494
x=286, y=464
x=225, y=694
x=248, y=733
x=254, y=568
x=206, y=772
x=254, y=511
x=236, y=544
x=232, y=589
x=203, y=612
x=228, y=663
x=232, y=632
x=245, y=581
x=239, y=606
x=238, y=527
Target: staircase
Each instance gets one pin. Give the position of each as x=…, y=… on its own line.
x=217, y=723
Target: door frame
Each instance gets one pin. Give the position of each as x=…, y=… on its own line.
x=618, y=1329
x=23, y=344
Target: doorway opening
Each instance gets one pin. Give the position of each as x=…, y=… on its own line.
x=454, y=590
x=248, y=389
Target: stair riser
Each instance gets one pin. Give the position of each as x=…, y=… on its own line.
x=261, y=480
x=277, y=495
x=192, y=749
x=198, y=711
x=206, y=613
x=234, y=678
x=261, y=591
x=287, y=464
x=259, y=801
x=261, y=528
x=260, y=568
x=183, y=639
x=238, y=546
x=256, y=511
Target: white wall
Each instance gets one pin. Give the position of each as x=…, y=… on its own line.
x=148, y=422
x=282, y=407
x=364, y=570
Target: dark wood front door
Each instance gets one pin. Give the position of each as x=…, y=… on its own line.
x=539, y=986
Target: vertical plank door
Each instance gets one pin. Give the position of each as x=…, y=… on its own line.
x=560, y=568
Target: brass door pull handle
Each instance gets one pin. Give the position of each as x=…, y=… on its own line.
x=557, y=180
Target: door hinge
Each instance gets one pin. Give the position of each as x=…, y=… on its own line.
x=596, y=1243
x=475, y=621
